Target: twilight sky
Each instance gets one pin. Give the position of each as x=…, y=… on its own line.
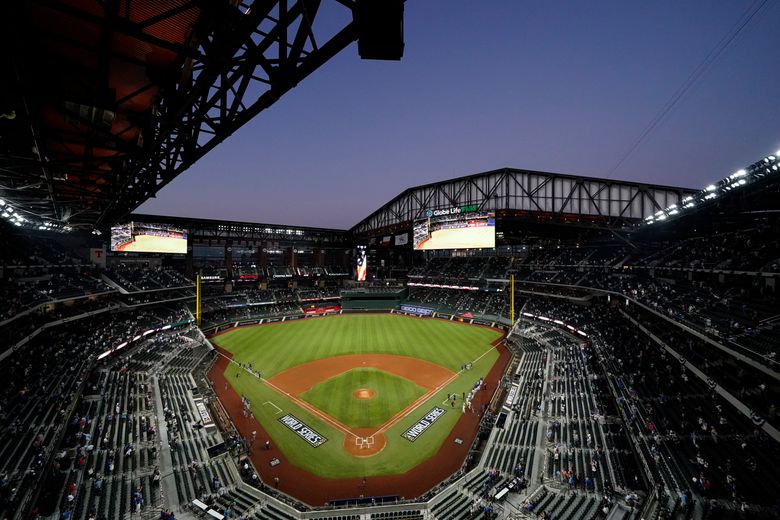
x=556, y=86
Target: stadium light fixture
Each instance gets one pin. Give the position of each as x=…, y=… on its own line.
x=2, y=202
x=711, y=187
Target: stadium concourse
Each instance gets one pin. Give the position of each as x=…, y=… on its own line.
x=641, y=374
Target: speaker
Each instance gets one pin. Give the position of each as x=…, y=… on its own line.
x=380, y=29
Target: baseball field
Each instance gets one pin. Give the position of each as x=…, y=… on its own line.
x=358, y=395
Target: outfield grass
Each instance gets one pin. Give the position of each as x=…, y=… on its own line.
x=335, y=396
x=274, y=348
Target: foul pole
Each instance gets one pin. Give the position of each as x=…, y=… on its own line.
x=197, y=300
x=512, y=299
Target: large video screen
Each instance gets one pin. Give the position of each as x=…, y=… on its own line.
x=471, y=231
x=362, y=265
x=142, y=237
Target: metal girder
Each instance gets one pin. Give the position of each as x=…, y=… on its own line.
x=528, y=191
x=204, y=230
x=124, y=95
x=247, y=65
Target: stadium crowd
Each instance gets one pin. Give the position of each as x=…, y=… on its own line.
x=699, y=443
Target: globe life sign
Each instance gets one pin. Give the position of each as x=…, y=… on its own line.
x=469, y=208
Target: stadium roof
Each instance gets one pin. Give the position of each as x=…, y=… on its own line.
x=531, y=191
x=103, y=103
x=224, y=230
x=747, y=195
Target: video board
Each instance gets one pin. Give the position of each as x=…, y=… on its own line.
x=143, y=237
x=444, y=230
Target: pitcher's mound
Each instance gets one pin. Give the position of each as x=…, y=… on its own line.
x=363, y=393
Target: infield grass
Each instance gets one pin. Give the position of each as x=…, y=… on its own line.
x=335, y=396
x=276, y=347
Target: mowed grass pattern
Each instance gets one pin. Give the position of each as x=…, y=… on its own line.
x=335, y=397
x=274, y=348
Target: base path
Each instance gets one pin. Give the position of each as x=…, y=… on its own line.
x=301, y=378
x=318, y=491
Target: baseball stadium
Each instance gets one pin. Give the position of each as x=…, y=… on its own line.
x=236, y=285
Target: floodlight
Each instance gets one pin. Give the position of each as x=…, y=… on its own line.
x=711, y=187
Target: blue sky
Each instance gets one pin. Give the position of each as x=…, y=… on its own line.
x=555, y=86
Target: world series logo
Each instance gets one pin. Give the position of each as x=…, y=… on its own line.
x=423, y=424
x=304, y=432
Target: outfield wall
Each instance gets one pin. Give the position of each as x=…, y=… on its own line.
x=497, y=322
